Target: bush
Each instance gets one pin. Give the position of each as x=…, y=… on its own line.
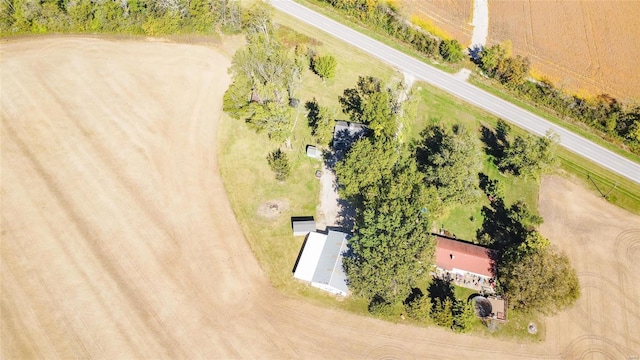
x=324, y=66
x=379, y=306
x=451, y=50
x=279, y=163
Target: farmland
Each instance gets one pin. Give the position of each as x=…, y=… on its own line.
x=584, y=47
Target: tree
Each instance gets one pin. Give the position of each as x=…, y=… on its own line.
x=324, y=66
x=279, y=163
x=529, y=156
x=237, y=96
x=492, y=57
x=321, y=122
x=391, y=247
x=450, y=160
x=504, y=227
x=464, y=315
x=442, y=312
x=451, y=50
x=370, y=104
x=541, y=281
x=418, y=306
x=513, y=71
x=273, y=118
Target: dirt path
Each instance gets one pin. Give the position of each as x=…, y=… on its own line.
x=480, y=23
x=118, y=240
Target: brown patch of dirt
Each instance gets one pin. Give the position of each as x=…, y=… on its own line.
x=603, y=244
x=452, y=16
x=273, y=208
x=118, y=240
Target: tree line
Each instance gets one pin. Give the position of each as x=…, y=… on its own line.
x=145, y=17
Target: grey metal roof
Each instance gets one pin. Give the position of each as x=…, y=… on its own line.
x=329, y=269
x=345, y=133
x=304, y=226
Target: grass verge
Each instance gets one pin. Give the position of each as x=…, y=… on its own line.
x=572, y=125
x=328, y=11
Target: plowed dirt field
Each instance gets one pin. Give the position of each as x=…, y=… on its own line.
x=118, y=240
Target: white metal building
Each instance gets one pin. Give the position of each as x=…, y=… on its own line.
x=321, y=262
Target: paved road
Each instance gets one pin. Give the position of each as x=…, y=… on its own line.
x=464, y=90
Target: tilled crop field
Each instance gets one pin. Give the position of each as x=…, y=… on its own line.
x=585, y=47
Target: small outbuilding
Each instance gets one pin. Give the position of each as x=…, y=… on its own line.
x=313, y=152
x=303, y=226
x=320, y=262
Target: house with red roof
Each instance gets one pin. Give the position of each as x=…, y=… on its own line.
x=463, y=258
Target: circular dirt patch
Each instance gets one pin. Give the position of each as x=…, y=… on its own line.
x=273, y=208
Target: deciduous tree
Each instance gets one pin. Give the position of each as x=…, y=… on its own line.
x=529, y=155
x=370, y=104
x=450, y=160
x=451, y=50
x=324, y=66
x=541, y=281
x=321, y=120
x=391, y=247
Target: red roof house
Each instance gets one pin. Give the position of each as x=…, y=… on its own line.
x=456, y=256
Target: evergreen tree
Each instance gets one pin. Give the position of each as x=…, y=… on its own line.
x=279, y=163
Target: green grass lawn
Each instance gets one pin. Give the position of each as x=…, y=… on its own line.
x=437, y=106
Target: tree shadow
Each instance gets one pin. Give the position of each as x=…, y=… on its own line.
x=313, y=111
x=490, y=141
x=441, y=289
x=430, y=142
x=475, y=53
x=346, y=215
x=414, y=295
x=496, y=141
